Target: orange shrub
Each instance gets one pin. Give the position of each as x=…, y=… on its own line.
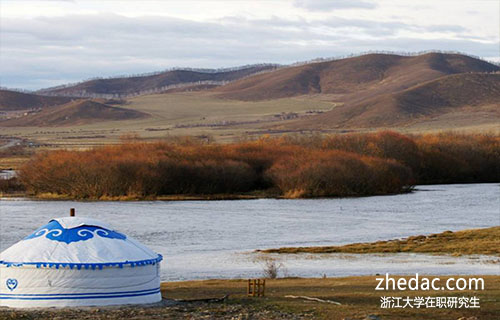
x=298, y=166
x=336, y=173
x=456, y=158
x=384, y=144
x=140, y=170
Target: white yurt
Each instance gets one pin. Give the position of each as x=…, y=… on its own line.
x=75, y=261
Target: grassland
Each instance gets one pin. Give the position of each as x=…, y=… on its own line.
x=356, y=295
x=205, y=117
x=474, y=241
x=194, y=114
x=174, y=114
x=200, y=114
x=13, y=162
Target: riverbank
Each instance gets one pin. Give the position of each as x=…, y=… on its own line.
x=175, y=197
x=356, y=295
x=475, y=241
x=261, y=194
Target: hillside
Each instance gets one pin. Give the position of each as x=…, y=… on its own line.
x=14, y=101
x=429, y=92
x=433, y=98
x=353, y=78
x=153, y=83
x=74, y=113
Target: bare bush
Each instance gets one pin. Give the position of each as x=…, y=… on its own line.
x=272, y=268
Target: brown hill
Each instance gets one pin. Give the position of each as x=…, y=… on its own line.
x=148, y=84
x=13, y=101
x=444, y=95
x=373, y=74
x=74, y=113
x=196, y=87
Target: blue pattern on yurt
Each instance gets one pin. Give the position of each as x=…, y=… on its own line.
x=93, y=266
x=54, y=231
x=11, y=284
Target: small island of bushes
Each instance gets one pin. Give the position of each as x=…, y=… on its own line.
x=290, y=166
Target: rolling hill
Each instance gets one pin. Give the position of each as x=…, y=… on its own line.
x=447, y=94
x=74, y=113
x=14, y=101
x=433, y=91
x=159, y=82
x=353, y=78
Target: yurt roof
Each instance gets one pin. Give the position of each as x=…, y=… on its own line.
x=78, y=242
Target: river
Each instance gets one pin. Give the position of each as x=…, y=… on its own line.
x=216, y=239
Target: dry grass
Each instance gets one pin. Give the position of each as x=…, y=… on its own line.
x=168, y=112
x=13, y=162
x=75, y=113
x=463, y=97
x=356, y=294
x=474, y=241
x=359, y=76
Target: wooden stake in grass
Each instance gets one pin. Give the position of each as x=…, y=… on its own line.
x=256, y=287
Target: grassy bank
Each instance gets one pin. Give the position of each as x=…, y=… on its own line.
x=356, y=295
x=290, y=166
x=175, y=197
x=474, y=241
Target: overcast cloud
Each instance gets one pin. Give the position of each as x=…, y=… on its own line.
x=49, y=43
x=327, y=5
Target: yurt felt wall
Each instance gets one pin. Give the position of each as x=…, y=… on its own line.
x=78, y=262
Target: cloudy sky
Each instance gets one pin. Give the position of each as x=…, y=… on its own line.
x=47, y=43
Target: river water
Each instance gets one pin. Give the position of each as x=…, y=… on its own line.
x=216, y=239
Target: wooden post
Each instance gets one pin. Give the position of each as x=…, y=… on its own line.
x=256, y=287
x=72, y=212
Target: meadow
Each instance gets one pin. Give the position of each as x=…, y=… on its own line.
x=290, y=166
x=356, y=295
x=206, y=117
x=195, y=114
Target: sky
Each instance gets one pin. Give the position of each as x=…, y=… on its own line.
x=48, y=43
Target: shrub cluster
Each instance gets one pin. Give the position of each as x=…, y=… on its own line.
x=451, y=158
x=319, y=173
x=11, y=185
x=339, y=165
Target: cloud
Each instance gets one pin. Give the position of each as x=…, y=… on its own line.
x=330, y=5
x=47, y=51
x=445, y=28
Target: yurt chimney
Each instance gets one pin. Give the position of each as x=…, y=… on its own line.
x=72, y=212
